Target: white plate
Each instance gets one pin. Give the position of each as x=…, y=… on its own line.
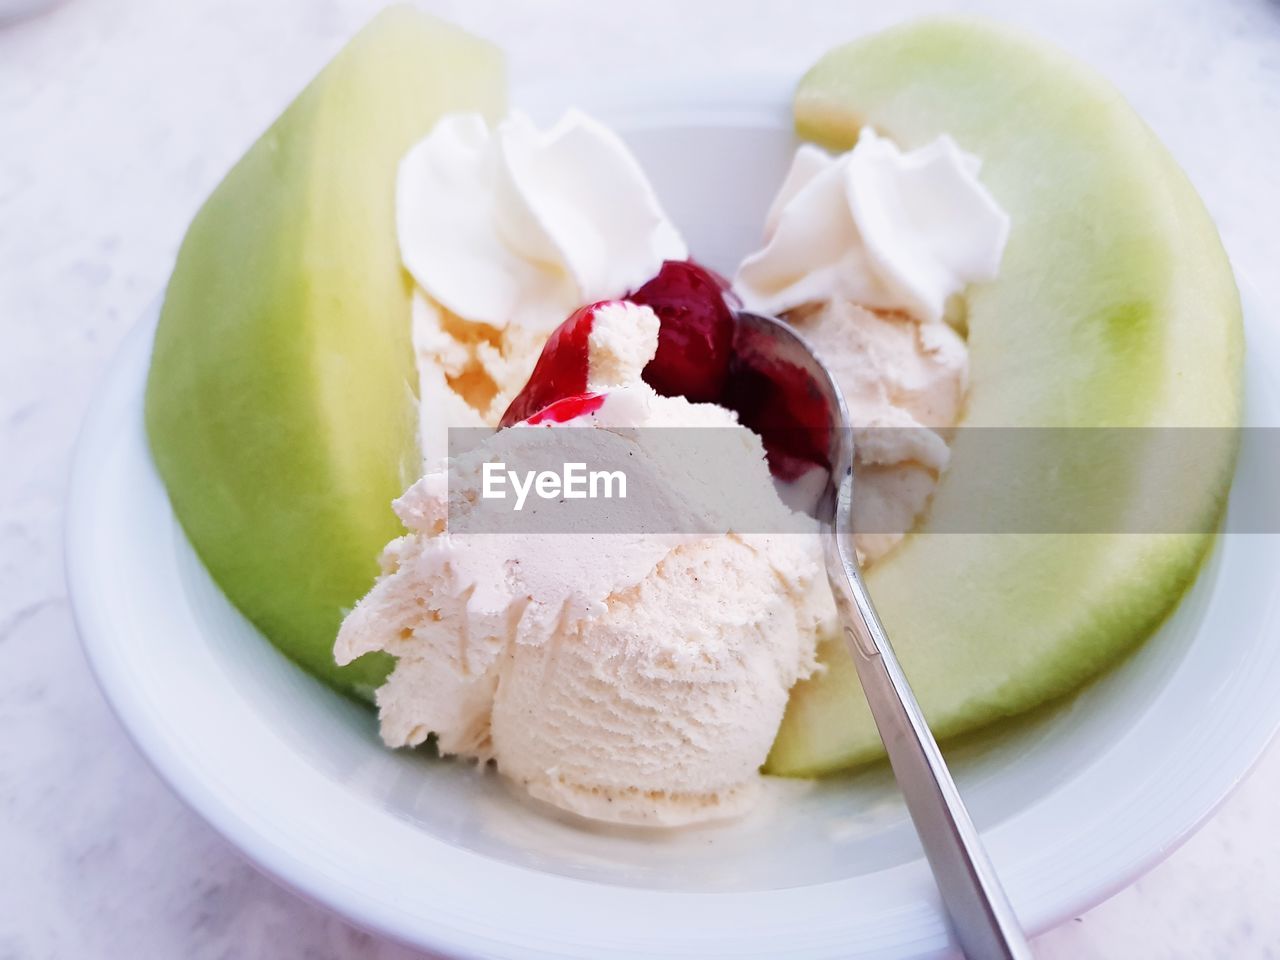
x=1075, y=803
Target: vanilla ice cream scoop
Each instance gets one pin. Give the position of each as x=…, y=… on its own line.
x=863, y=253
x=662, y=708
x=636, y=674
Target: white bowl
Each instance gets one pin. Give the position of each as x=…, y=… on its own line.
x=1074, y=803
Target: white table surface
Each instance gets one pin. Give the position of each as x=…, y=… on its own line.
x=118, y=116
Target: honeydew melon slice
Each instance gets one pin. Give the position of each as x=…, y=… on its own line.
x=1115, y=307
x=280, y=403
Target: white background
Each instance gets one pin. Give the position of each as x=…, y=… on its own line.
x=116, y=119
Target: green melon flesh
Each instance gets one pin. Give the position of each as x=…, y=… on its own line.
x=281, y=399
x=1115, y=307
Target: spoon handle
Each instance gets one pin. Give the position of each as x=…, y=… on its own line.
x=982, y=919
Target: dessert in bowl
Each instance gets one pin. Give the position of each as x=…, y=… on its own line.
x=638, y=670
x=282, y=414
x=315, y=492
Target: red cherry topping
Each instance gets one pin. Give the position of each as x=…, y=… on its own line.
x=695, y=339
x=702, y=355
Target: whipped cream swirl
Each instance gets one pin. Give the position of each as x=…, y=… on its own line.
x=876, y=226
x=516, y=226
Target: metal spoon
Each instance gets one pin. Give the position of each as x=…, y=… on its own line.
x=981, y=917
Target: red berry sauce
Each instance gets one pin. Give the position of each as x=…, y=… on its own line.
x=567, y=408
x=561, y=370
x=702, y=355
